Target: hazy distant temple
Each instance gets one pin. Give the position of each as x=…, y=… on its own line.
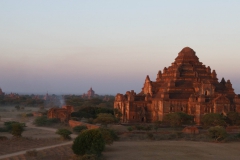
x=90, y=94
x=185, y=86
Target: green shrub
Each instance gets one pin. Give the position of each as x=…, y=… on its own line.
x=139, y=127
x=64, y=133
x=44, y=121
x=109, y=135
x=17, y=129
x=177, y=119
x=78, y=129
x=8, y=125
x=129, y=128
x=89, y=142
x=213, y=119
x=233, y=118
x=217, y=133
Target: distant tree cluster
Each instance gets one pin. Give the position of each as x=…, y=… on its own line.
x=91, y=112
x=78, y=102
x=23, y=100
x=44, y=121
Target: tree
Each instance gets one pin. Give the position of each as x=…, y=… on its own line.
x=8, y=125
x=118, y=114
x=17, y=129
x=89, y=142
x=217, y=133
x=64, y=133
x=233, y=118
x=105, y=119
x=213, y=119
x=178, y=119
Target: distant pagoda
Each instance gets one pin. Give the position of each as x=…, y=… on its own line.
x=185, y=86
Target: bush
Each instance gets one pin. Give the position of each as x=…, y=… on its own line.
x=17, y=129
x=177, y=119
x=109, y=135
x=217, y=133
x=233, y=118
x=129, y=128
x=8, y=125
x=213, y=119
x=78, y=129
x=64, y=133
x=89, y=142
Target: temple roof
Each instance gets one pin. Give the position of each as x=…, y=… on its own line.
x=187, y=51
x=186, y=54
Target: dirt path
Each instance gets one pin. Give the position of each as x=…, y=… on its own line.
x=37, y=149
x=30, y=125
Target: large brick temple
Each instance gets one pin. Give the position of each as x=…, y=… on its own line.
x=185, y=86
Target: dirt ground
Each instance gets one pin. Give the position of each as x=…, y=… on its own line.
x=130, y=147
x=149, y=150
x=19, y=144
x=11, y=113
x=158, y=150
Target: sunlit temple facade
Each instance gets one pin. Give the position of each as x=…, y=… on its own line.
x=185, y=86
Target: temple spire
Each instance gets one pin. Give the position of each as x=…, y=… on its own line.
x=147, y=79
x=223, y=81
x=159, y=76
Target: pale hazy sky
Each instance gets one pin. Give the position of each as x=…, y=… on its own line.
x=67, y=46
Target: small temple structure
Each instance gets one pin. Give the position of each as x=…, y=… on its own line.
x=63, y=113
x=186, y=86
x=90, y=94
